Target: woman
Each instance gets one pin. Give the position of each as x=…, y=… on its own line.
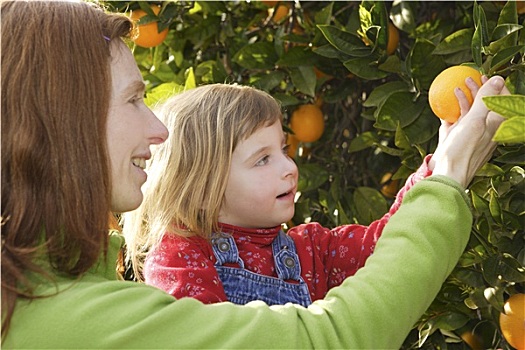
x=75, y=136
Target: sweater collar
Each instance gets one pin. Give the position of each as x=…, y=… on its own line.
x=254, y=235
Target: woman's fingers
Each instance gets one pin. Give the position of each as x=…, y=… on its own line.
x=463, y=100
x=464, y=103
x=493, y=86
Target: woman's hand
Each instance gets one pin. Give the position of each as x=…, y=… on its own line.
x=467, y=144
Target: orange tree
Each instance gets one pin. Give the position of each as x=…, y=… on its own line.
x=378, y=123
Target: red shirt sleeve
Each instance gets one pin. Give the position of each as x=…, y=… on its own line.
x=329, y=256
x=184, y=267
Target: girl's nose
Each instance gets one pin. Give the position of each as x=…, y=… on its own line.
x=290, y=168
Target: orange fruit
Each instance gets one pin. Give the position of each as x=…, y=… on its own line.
x=319, y=74
x=520, y=6
x=319, y=101
x=269, y=3
x=472, y=340
x=307, y=123
x=393, y=39
x=293, y=142
x=148, y=34
x=441, y=96
x=280, y=13
x=512, y=322
x=390, y=187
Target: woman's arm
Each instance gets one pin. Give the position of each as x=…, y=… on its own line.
x=374, y=309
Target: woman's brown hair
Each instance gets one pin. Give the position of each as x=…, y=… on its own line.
x=56, y=186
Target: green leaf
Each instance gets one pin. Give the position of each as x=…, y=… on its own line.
x=383, y=91
x=401, y=139
x=304, y=79
x=504, y=56
x=504, y=30
x=364, y=68
x=311, y=177
x=323, y=16
x=516, y=156
x=161, y=93
x=422, y=65
x=457, y=41
x=190, y=82
x=297, y=56
x=370, y=204
x=365, y=140
x=450, y=320
x=260, y=55
x=516, y=175
x=269, y=81
x=494, y=207
x=508, y=14
x=400, y=108
x=480, y=37
x=511, y=131
x=507, y=106
x=286, y=100
x=403, y=16
x=490, y=169
x=515, y=82
x=345, y=42
x=503, y=267
x=424, y=128
x=211, y=72
x=330, y=52
x=479, y=203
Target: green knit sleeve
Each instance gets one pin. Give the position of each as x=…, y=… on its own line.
x=374, y=309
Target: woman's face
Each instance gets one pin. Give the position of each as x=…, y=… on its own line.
x=131, y=129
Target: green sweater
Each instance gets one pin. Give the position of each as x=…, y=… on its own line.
x=374, y=309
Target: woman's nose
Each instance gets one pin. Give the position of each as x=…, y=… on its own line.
x=159, y=132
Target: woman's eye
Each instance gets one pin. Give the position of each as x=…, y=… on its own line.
x=263, y=161
x=136, y=99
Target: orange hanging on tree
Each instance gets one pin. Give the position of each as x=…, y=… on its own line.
x=512, y=322
x=393, y=39
x=307, y=123
x=148, y=34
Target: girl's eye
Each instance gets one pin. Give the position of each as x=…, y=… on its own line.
x=263, y=161
x=285, y=149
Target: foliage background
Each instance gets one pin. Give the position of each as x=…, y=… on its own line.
x=379, y=125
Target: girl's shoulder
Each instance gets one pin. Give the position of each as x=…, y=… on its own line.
x=175, y=242
x=311, y=230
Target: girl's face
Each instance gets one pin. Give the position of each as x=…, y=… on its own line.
x=131, y=129
x=262, y=182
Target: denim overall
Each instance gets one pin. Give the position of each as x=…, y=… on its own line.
x=242, y=286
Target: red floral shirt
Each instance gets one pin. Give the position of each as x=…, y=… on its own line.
x=184, y=267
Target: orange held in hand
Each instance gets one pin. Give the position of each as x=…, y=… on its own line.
x=307, y=123
x=441, y=97
x=148, y=34
x=512, y=322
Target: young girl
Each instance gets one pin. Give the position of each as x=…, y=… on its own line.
x=221, y=187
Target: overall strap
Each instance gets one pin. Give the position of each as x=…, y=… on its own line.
x=285, y=257
x=225, y=250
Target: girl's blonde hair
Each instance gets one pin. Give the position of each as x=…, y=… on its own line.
x=189, y=172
